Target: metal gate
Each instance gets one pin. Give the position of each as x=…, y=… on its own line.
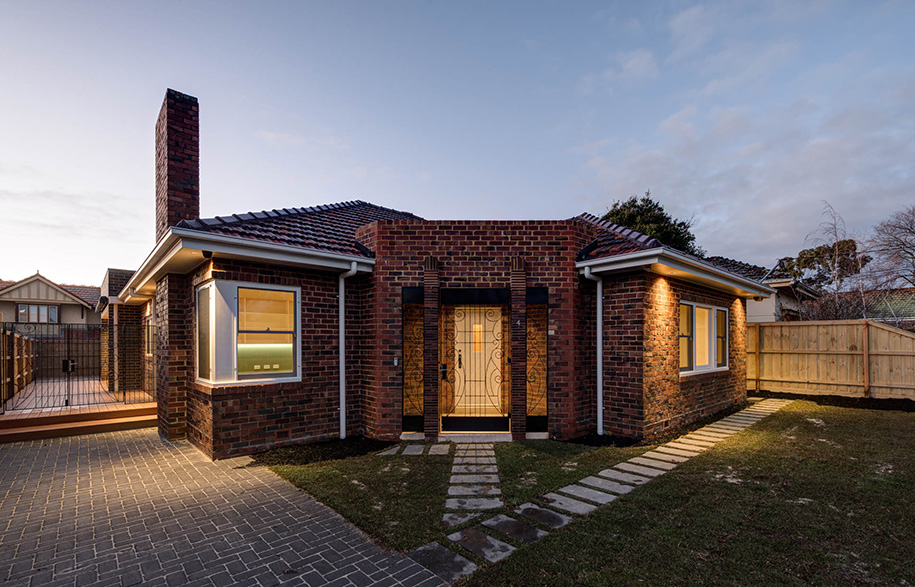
x=475, y=389
x=62, y=365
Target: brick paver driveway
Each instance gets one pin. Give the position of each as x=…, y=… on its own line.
x=126, y=508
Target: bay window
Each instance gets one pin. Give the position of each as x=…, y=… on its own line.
x=248, y=332
x=703, y=338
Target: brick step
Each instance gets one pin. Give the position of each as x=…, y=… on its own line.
x=77, y=428
x=74, y=416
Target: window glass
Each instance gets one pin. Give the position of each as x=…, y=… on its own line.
x=52, y=314
x=204, y=367
x=23, y=313
x=686, y=337
x=721, y=338
x=703, y=337
x=266, y=331
x=42, y=313
x=33, y=313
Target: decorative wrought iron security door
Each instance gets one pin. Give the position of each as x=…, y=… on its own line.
x=475, y=392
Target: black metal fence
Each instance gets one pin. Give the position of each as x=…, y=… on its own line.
x=61, y=365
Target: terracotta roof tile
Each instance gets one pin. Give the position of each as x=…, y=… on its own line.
x=613, y=239
x=87, y=293
x=754, y=272
x=331, y=227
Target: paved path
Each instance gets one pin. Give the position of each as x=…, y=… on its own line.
x=125, y=508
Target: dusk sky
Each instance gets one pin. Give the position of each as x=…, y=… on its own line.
x=744, y=115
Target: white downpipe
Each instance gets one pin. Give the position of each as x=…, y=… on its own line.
x=342, y=344
x=600, y=348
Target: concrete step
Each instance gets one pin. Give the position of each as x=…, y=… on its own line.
x=77, y=428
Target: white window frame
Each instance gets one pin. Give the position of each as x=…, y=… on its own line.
x=712, y=339
x=224, y=334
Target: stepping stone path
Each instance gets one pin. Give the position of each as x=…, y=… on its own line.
x=475, y=474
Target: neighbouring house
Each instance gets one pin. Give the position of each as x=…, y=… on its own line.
x=790, y=293
x=38, y=300
x=295, y=325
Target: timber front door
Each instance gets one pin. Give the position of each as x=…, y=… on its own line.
x=474, y=387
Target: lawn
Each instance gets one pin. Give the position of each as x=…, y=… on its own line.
x=812, y=495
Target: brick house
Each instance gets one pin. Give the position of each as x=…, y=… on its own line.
x=445, y=327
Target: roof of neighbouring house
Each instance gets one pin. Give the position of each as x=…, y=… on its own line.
x=750, y=271
x=87, y=293
x=330, y=227
x=613, y=239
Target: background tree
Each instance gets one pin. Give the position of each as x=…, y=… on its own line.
x=648, y=217
x=894, y=244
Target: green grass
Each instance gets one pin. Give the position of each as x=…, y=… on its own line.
x=812, y=495
x=398, y=500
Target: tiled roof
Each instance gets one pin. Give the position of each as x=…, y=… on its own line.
x=87, y=293
x=331, y=227
x=613, y=239
x=754, y=272
x=5, y=284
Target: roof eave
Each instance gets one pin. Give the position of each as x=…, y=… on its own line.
x=670, y=263
x=181, y=250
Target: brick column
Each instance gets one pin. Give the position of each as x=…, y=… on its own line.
x=431, y=375
x=519, y=348
x=174, y=354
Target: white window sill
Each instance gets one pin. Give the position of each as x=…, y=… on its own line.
x=703, y=371
x=244, y=382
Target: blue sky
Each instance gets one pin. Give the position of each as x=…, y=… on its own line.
x=744, y=115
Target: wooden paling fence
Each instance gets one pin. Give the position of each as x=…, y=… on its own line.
x=855, y=358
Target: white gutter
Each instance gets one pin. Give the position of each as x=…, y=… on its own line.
x=668, y=259
x=600, y=348
x=177, y=240
x=341, y=283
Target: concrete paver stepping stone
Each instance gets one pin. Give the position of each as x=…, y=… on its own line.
x=482, y=544
x=661, y=456
x=448, y=565
x=698, y=434
x=542, y=515
x=684, y=446
x=473, y=460
x=473, y=469
x=696, y=441
x=652, y=463
x=474, y=490
x=439, y=449
x=391, y=451
x=568, y=504
x=676, y=451
x=450, y=520
x=724, y=428
x=515, y=529
x=473, y=503
x=640, y=469
x=606, y=485
x=708, y=431
x=588, y=493
x=624, y=477
x=474, y=479
x=414, y=449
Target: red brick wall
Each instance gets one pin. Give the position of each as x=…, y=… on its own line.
x=671, y=401
x=245, y=418
x=476, y=254
x=177, y=161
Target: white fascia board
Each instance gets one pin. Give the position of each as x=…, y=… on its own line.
x=661, y=261
x=182, y=241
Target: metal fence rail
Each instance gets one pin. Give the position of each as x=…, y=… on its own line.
x=61, y=365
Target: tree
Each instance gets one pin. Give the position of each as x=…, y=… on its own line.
x=648, y=217
x=894, y=243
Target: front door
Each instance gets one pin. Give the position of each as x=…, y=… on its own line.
x=475, y=392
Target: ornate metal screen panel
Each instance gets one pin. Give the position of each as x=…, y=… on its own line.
x=473, y=359
x=413, y=360
x=536, y=359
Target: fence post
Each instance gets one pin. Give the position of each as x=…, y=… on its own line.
x=867, y=360
x=758, y=355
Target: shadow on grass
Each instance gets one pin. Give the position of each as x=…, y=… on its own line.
x=318, y=452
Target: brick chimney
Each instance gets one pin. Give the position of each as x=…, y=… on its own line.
x=177, y=161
